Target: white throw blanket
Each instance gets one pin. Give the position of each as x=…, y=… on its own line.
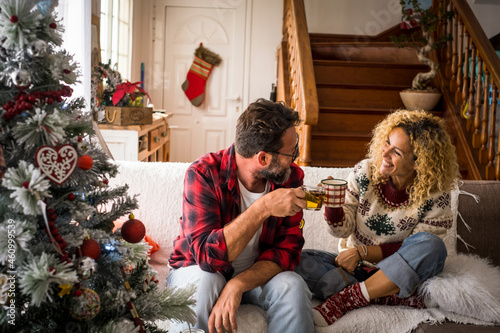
x=160, y=185
x=467, y=285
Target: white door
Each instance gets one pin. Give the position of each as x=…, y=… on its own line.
x=221, y=28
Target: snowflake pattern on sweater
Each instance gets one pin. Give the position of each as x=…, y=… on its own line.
x=372, y=218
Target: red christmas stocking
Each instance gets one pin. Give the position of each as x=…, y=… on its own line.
x=194, y=86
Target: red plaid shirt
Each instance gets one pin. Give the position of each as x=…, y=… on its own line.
x=211, y=199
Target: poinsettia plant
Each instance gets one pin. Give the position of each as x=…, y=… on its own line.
x=130, y=94
x=108, y=89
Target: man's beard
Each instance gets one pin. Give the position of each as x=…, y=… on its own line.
x=274, y=173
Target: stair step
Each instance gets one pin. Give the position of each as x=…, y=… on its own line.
x=384, y=36
x=339, y=147
x=352, y=72
x=359, y=63
x=356, y=42
x=355, y=135
x=363, y=85
x=334, y=164
x=329, y=38
x=338, y=119
x=343, y=120
x=355, y=110
x=384, y=52
x=362, y=96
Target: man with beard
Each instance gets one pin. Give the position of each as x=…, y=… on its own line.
x=240, y=237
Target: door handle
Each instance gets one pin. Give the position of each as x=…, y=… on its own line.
x=234, y=99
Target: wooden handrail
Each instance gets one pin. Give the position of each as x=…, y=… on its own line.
x=472, y=70
x=304, y=97
x=472, y=26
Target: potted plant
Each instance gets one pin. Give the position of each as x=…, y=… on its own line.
x=119, y=103
x=421, y=96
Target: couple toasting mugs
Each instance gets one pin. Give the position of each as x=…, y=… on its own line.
x=241, y=239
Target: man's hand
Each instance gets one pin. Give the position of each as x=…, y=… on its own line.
x=285, y=201
x=348, y=260
x=223, y=316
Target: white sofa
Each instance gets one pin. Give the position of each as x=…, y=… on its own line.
x=160, y=187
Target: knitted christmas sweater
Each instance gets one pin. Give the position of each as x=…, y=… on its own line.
x=376, y=214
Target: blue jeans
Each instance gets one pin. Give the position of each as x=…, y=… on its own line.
x=421, y=257
x=285, y=297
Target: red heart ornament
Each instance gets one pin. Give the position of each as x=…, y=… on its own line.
x=57, y=163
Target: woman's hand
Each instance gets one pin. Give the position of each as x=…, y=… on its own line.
x=348, y=260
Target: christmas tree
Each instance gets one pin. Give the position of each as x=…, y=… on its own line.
x=62, y=268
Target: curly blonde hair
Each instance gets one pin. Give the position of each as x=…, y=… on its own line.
x=436, y=160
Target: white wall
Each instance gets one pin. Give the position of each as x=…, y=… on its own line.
x=142, y=36
x=265, y=36
x=359, y=17
x=76, y=18
x=488, y=15
x=372, y=17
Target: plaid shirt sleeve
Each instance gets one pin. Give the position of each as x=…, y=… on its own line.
x=202, y=238
x=282, y=239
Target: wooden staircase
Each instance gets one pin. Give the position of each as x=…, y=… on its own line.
x=358, y=84
x=342, y=86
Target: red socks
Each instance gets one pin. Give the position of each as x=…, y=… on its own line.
x=338, y=305
x=414, y=301
x=352, y=298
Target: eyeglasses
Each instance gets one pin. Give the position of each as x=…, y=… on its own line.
x=295, y=151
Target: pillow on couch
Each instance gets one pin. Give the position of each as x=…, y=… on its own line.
x=469, y=285
x=158, y=187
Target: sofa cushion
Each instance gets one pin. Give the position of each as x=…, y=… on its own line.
x=158, y=187
x=468, y=285
x=482, y=217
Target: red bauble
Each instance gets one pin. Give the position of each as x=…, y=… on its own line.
x=85, y=162
x=133, y=231
x=90, y=248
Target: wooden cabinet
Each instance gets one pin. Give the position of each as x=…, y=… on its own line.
x=147, y=143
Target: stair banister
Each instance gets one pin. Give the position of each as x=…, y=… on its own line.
x=474, y=114
x=485, y=49
x=304, y=97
